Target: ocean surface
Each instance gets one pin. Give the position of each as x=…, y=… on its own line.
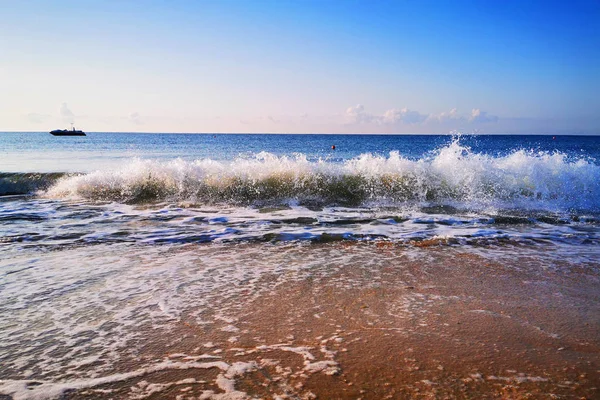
x=178, y=188
x=106, y=236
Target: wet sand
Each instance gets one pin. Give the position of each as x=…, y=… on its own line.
x=376, y=321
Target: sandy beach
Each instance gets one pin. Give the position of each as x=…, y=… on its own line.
x=340, y=199
x=361, y=320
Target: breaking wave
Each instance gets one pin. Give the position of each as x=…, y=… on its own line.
x=452, y=175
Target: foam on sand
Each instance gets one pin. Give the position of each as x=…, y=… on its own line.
x=40, y=390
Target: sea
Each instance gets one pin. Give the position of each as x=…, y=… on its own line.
x=108, y=237
x=81, y=191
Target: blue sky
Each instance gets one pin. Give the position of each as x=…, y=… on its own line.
x=301, y=66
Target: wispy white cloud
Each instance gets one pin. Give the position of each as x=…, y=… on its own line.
x=403, y=115
x=482, y=116
x=66, y=114
x=445, y=116
x=37, y=118
x=135, y=118
x=358, y=115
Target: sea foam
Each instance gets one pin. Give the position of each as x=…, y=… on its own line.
x=452, y=175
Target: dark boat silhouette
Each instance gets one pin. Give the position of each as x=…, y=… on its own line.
x=67, y=132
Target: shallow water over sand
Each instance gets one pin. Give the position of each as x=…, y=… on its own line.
x=299, y=319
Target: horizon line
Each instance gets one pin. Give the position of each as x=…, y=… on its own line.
x=329, y=133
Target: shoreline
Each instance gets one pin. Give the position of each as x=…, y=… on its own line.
x=371, y=321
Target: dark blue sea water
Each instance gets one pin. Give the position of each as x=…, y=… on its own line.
x=41, y=152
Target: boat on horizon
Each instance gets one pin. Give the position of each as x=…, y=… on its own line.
x=67, y=132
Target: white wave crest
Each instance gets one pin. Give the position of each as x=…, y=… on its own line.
x=453, y=174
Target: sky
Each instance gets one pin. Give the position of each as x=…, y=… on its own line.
x=301, y=66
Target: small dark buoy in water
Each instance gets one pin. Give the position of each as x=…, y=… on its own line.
x=333, y=147
x=553, y=137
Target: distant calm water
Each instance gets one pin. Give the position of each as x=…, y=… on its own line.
x=41, y=152
x=110, y=242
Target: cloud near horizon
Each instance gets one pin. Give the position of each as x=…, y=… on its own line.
x=36, y=118
x=66, y=114
x=403, y=115
x=358, y=115
x=451, y=115
x=354, y=119
x=482, y=116
x=135, y=118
